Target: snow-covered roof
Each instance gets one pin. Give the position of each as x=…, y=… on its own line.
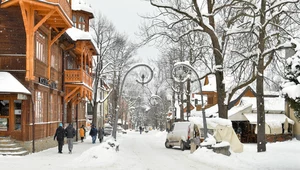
x=81, y=5
x=269, y=118
x=236, y=113
x=212, y=123
x=79, y=35
x=209, y=112
x=272, y=104
x=212, y=85
x=9, y=84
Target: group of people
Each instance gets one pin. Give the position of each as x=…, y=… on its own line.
x=61, y=133
x=94, y=132
x=70, y=133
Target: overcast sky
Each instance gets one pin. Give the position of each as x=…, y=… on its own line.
x=124, y=14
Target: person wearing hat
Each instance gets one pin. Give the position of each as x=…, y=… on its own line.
x=59, y=136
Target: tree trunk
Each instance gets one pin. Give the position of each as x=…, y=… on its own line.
x=188, y=99
x=261, y=139
x=94, y=121
x=219, y=62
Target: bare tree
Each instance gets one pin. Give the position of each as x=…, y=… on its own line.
x=120, y=57
x=231, y=28
x=104, y=35
x=245, y=36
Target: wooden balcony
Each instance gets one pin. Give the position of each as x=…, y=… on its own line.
x=77, y=77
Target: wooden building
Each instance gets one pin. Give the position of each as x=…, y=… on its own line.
x=38, y=48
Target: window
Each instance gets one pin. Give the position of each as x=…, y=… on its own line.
x=59, y=109
x=40, y=47
x=4, y=113
x=4, y=107
x=52, y=107
x=39, y=106
x=74, y=20
x=55, y=57
x=18, y=113
x=81, y=23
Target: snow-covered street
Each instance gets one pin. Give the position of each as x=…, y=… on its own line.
x=147, y=152
x=137, y=152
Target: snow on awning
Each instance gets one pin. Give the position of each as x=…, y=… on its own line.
x=273, y=123
x=271, y=119
x=9, y=84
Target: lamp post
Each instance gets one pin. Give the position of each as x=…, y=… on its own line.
x=184, y=77
x=114, y=133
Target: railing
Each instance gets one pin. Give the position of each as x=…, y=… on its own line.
x=78, y=76
x=65, y=5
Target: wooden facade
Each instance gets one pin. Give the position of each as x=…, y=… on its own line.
x=35, y=49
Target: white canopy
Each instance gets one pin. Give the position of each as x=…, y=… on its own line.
x=270, y=118
x=273, y=122
x=9, y=84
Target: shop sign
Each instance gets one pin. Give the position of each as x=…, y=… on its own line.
x=22, y=97
x=45, y=82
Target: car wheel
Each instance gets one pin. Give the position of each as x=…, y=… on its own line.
x=182, y=147
x=167, y=145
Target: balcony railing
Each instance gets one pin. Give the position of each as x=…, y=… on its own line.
x=65, y=5
x=78, y=76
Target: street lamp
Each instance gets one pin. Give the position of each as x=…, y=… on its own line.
x=153, y=101
x=114, y=133
x=183, y=71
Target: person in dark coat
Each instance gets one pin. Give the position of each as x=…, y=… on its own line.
x=70, y=133
x=93, y=133
x=100, y=134
x=59, y=136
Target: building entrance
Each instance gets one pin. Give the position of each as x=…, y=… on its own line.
x=4, y=117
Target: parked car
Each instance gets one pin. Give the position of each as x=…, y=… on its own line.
x=179, y=135
x=121, y=130
x=107, y=129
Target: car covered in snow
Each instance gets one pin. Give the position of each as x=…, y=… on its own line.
x=179, y=135
x=107, y=129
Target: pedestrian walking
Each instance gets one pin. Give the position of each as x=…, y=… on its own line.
x=59, y=136
x=141, y=129
x=93, y=133
x=82, y=132
x=70, y=133
x=100, y=134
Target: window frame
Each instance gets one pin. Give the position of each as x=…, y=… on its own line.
x=41, y=46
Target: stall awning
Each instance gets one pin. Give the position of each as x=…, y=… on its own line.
x=269, y=118
x=9, y=84
x=273, y=122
